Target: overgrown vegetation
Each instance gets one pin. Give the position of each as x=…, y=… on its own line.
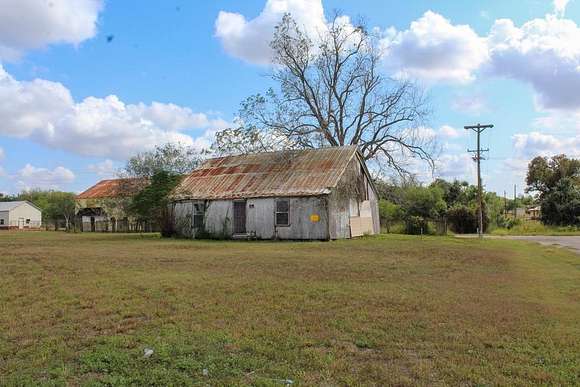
x=162, y=168
x=417, y=206
x=80, y=309
x=557, y=180
x=58, y=208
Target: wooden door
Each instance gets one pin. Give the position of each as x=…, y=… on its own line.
x=240, y=217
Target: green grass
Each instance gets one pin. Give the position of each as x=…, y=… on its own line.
x=390, y=310
x=536, y=228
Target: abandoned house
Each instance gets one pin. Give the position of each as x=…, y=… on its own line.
x=316, y=194
x=103, y=207
x=19, y=215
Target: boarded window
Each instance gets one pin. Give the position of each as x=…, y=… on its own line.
x=282, y=212
x=198, y=215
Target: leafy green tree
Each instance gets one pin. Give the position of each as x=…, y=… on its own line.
x=152, y=203
x=55, y=205
x=561, y=205
x=545, y=173
x=421, y=204
x=389, y=212
x=557, y=180
x=171, y=158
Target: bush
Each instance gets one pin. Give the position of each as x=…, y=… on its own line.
x=464, y=220
x=416, y=225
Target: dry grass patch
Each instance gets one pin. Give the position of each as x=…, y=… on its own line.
x=80, y=310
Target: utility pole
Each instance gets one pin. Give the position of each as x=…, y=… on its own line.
x=515, y=202
x=504, y=204
x=477, y=158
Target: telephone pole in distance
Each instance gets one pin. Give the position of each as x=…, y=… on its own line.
x=477, y=158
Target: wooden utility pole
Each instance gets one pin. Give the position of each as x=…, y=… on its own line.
x=515, y=202
x=477, y=158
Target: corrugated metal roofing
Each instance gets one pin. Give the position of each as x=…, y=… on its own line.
x=113, y=188
x=308, y=172
x=9, y=206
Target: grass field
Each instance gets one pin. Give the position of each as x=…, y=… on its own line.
x=81, y=309
x=533, y=227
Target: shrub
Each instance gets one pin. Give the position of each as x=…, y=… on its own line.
x=463, y=219
x=416, y=225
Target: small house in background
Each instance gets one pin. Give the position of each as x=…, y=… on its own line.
x=316, y=194
x=19, y=215
x=103, y=207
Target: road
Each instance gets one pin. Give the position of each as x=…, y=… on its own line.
x=571, y=242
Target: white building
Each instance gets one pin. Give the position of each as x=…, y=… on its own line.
x=19, y=215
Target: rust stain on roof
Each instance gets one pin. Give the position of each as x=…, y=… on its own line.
x=308, y=172
x=114, y=188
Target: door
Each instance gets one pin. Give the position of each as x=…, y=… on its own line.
x=20, y=223
x=240, y=217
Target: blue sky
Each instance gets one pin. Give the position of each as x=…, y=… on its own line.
x=86, y=83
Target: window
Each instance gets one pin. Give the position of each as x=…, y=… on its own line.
x=27, y=221
x=282, y=212
x=198, y=214
x=1, y=222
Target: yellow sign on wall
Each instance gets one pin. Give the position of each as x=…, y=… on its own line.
x=314, y=218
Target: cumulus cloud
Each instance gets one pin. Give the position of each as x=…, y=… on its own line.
x=249, y=40
x=528, y=145
x=544, y=53
x=434, y=49
x=45, y=112
x=458, y=166
x=31, y=177
x=31, y=24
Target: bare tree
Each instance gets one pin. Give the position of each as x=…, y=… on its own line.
x=333, y=93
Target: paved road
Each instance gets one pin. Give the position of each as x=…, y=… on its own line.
x=572, y=242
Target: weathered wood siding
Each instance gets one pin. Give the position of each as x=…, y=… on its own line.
x=308, y=218
x=349, y=214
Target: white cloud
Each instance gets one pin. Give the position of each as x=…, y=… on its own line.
x=249, y=40
x=449, y=132
x=45, y=112
x=561, y=121
x=105, y=168
x=560, y=7
x=433, y=49
x=526, y=146
x=529, y=145
x=31, y=177
x=31, y=24
x=2, y=154
x=544, y=53
x=458, y=166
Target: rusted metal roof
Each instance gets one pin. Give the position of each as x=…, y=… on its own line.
x=113, y=188
x=308, y=172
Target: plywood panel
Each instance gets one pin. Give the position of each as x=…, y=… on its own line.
x=361, y=225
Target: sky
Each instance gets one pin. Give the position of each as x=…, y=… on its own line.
x=86, y=84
